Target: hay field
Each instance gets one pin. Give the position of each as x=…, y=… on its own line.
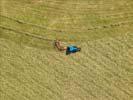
x=30, y=67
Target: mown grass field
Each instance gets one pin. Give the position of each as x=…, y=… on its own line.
x=32, y=69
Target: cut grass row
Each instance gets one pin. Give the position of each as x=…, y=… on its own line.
x=80, y=58
x=29, y=68
x=103, y=21
x=45, y=10
x=92, y=78
x=42, y=10
x=21, y=23
x=40, y=27
x=73, y=30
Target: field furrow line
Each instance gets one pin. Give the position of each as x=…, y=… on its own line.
x=97, y=52
x=126, y=41
x=85, y=67
x=29, y=87
x=61, y=10
x=13, y=89
x=117, y=15
x=55, y=6
x=77, y=3
x=76, y=11
x=105, y=67
x=41, y=70
x=60, y=64
x=31, y=24
x=25, y=33
x=122, y=43
x=56, y=94
x=39, y=26
x=33, y=68
x=90, y=56
x=125, y=61
x=105, y=78
x=35, y=71
x=114, y=86
x=106, y=90
x=26, y=86
x=95, y=28
x=101, y=49
x=75, y=70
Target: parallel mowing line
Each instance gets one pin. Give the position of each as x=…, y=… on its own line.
x=118, y=14
x=14, y=89
x=40, y=37
x=118, y=42
x=105, y=89
x=108, y=68
x=112, y=61
x=40, y=60
x=39, y=69
x=99, y=27
x=75, y=81
x=22, y=22
x=103, y=16
x=59, y=72
x=30, y=87
x=67, y=75
x=100, y=46
x=106, y=79
x=84, y=66
x=104, y=56
x=76, y=3
x=89, y=57
x=56, y=7
x=30, y=64
x=31, y=24
x=111, y=48
x=107, y=15
x=52, y=11
x=25, y=33
x=48, y=88
x=25, y=86
x=76, y=11
x=47, y=72
x=118, y=17
x=127, y=40
x=94, y=81
x=121, y=43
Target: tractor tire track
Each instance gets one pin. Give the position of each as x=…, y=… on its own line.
x=62, y=31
